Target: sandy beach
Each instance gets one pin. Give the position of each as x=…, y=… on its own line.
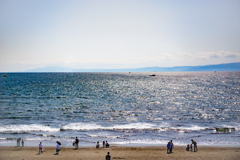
x=119, y=152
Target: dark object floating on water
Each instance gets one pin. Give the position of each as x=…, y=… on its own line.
x=225, y=129
x=152, y=75
x=4, y=75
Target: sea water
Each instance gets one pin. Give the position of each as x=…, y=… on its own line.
x=122, y=108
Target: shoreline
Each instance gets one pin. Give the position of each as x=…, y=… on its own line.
x=119, y=152
x=53, y=143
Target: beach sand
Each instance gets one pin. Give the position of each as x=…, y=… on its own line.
x=119, y=152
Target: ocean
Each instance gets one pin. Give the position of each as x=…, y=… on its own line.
x=122, y=108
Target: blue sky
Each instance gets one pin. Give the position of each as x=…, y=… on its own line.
x=117, y=34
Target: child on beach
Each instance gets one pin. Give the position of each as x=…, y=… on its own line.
x=108, y=157
x=107, y=145
x=97, y=145
x=57, y=147
x=168, y=147
x=103, y=144
x=187, y=149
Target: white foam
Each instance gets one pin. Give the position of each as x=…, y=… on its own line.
x=192, y=128
x=135, y=126
x=102, y=136
x=26, y=128
x=84, y=126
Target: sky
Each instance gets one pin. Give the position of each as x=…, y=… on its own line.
x=117, y=34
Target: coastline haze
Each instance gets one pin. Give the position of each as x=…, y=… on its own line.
x=117, y=34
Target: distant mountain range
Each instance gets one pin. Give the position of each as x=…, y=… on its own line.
x=217, y=67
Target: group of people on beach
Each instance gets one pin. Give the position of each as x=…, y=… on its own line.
x=189, y=146
x=19, y=141
x=170, y=146
x=105, y=145
x=75, y=143
x=40, y=148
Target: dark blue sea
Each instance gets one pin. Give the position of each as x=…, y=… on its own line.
x=122, y=108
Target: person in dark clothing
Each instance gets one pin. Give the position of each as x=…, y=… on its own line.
x=108, y=157
x=168, y=147
x=172, y=146
x=97, y=145
x=194, y=145
x=107, y=145
x=187, y=149
x=76, y=143
x=22, y=143
x=103, y=144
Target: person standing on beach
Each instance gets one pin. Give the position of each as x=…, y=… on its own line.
x=194, y=145
x=18, y=142
x=57, y=147
x=97, y=146
x=22, y=143
x=108, y=157
x=168, y=147
x=40, y=147
x=172, y=146
x=76, y=143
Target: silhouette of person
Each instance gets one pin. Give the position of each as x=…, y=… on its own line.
x=168, y=148
x=172, y=146
x=103, y=144
x=76, y=143
x=97, y=146
x=108, y=157
x=107, y=145
x=194, y=145
x=22, y=143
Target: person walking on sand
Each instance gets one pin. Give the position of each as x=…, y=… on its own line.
x=194, y=145
x=108, y=157
x=172, y=146
x=168, y=147
x=40, y=147
x=76, y=143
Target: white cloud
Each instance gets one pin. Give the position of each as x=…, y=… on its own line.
x=210, y=55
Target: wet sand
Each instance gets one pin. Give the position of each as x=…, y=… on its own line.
x=120, y=152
